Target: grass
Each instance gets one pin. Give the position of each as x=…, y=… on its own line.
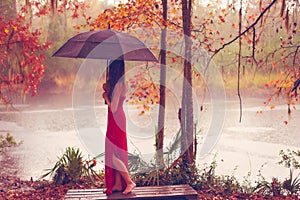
x=7, y=141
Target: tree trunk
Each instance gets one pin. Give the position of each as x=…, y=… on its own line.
x=187, y=100
x=56, y=23
x=29, y=9
x=162, y=91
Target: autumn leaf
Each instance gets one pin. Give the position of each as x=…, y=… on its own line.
x=142, y=112
x=174, y=11
x=269, y=99
x=6, y=31
x=221, y=18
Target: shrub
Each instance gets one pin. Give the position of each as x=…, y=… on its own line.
x=290, y=159
x=71, y=168
x=7, y=141
x=292, y=184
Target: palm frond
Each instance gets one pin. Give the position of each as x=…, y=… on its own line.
x=175, y=143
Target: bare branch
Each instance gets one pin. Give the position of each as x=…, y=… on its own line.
x=246, y=30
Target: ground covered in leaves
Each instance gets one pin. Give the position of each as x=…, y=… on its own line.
x=14, y=188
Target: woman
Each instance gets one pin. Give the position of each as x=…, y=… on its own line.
x=116, y=156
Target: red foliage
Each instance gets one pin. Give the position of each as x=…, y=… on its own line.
x=21, y=56
x=22, y=52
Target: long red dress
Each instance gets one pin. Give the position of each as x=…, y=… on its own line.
x=115, y=143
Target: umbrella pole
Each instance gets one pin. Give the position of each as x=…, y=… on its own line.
x=106, y=75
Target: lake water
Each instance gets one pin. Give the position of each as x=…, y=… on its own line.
x=242, y=147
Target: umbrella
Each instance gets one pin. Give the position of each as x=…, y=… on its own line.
x=102, y=44
x=106, y=44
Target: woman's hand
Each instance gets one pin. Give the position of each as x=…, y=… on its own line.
x=105, y=87
x=105, y=96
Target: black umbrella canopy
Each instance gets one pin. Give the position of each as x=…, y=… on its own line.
x=105, y=44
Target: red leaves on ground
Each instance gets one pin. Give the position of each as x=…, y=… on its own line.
x=14, y=188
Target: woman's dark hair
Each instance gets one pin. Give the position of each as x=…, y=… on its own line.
x=116, y=72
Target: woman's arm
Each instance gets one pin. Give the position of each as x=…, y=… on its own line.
x=115, y=97
x=113, y=104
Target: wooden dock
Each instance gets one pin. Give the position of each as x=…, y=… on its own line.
x=174, y=192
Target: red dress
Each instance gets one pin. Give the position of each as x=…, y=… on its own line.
x=115, y=143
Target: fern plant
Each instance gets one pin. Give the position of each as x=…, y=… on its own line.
x=292, y=184
x=71, y=168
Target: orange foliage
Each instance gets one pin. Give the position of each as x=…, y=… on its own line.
x=25, y=63
x=145, y=93
x=127, y=17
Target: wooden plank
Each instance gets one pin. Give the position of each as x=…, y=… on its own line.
x=175, y=192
